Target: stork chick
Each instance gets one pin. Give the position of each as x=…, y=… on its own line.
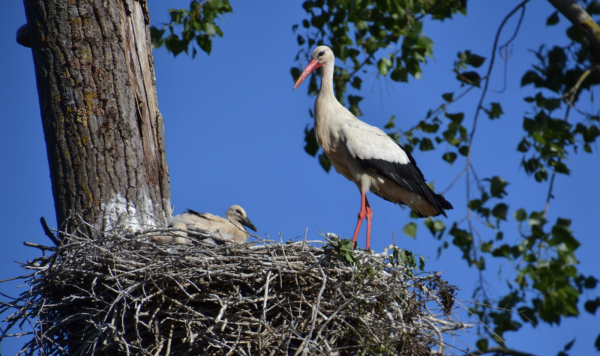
x=230, y=228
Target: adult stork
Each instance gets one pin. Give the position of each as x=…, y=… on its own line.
x=366, y=155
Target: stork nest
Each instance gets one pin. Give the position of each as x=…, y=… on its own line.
x=127, y=295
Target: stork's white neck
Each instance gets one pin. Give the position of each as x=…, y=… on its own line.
x=330, y=115
x=327, y=78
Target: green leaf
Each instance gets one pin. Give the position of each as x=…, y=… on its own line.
x=541, y=175
x=429, y=128
x=497, y=185
x=455, y=118
x=553, y=19
x=436, y=227
x=562, y=234
x=502, y=251
x=528, y=315
x=593, y=8
x=500, y=211
x=390, y=124
x=463, y=240
x=325, y=162
x=449, y=157
x=471, y=59
x=495, y=111
x=421, y=263
x=174, y=45
x=569, y=345
x=524, y=145
x=520, y=215
x=295, y=73
x=482, y=345
x=480, y=264
x=399, y=74
x=156, y=36
x=209, y=28
x=356, y=83
x=205, y=43
x=384, y=65
x=531, y=77
x=448, y=96
x=426, y=145
x=476, y=204
x=408, y=259
x=300, y=40
x=537, y=137
x=592, y=305
x=486, y=247
x=475, y=60
x=536, y=219
x=590, y=282
x=471, y=78
x=410, y=229
x=176, y=15
x=312, y=146
x=354, y=100
x=561, y=167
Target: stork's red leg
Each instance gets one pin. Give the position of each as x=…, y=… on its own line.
x=361, y=217
x=369, y=220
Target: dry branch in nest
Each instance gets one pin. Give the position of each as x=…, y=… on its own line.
x=127, y=295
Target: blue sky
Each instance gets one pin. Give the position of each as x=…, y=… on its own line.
x=235, y=135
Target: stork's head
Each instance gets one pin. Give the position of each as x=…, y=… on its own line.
x=237, y=213
x=321, y=56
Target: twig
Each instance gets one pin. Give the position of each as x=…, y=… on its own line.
x=48, y=232
x=41, y=247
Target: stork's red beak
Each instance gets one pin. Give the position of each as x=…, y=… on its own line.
x=310, y=67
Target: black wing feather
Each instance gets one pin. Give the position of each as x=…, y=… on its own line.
x=194, y=212
x=409, y=177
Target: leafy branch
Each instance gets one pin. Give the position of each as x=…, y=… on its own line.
x=197, y=23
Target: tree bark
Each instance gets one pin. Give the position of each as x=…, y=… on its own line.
x=104, y=133
x=580, y=19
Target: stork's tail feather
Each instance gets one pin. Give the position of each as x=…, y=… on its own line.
x=443, y=202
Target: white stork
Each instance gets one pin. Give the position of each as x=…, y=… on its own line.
x=230, y=228
x=365, y=154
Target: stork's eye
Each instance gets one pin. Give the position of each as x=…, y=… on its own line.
x=321, y=53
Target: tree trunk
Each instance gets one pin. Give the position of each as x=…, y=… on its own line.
x=104, y=133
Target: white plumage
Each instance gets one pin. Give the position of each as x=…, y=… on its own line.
x=365, y=154
x=230, y=228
